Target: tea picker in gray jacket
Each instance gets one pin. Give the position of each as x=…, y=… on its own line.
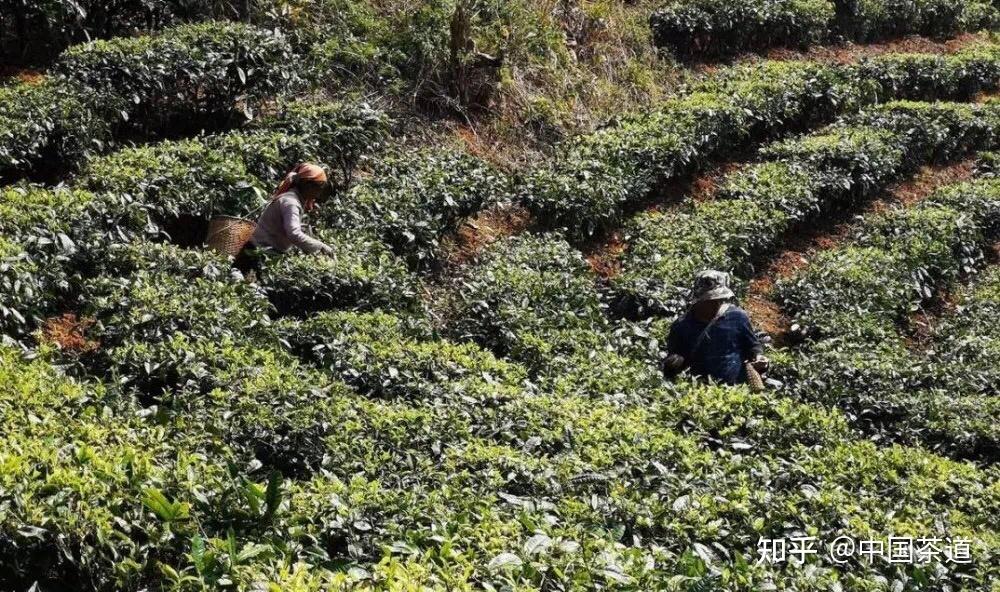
x=280, y=225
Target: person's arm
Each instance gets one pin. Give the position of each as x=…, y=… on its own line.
x=291, y=216
x=753, y=349
x=675, y=361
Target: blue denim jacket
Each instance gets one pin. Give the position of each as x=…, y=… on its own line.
x=728, y=344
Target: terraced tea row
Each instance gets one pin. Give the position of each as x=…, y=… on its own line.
x=99, y=93
x=854, y=303
x=709, y=28
x=799, y=182
x=365, y=481
x=594, y=180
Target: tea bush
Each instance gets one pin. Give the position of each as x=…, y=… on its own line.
x=361, y=274
x=868, y=20
x=709, y=28
x=127, y=259
x=596, y=178
x=59, y=123
x=900, y=260
x=257, y=400
x=190, y=76
x=858, y=295
x=413, y=198
x=515, y=435
x=987, y=164
x=527, y=291
x=183, y=184
x=336, y=133
x=926, y=77
x=153, y=305
x=47, y=126
x=94, y=493
x=695, y=28
x=372, y=353
x=27, y=291
x=967, y=339
x=42, y=219
x=39, y=253
x=41, y=29
x=181, y=181
x=807, y=177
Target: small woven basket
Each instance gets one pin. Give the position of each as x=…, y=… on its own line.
x=754, y=378
x=228, y=235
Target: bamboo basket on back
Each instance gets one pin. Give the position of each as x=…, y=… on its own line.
x=228, y=234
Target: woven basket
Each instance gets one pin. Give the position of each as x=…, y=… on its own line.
x=228, y=235
x=754, y=378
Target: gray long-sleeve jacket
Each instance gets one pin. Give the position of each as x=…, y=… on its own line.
x=280, y=226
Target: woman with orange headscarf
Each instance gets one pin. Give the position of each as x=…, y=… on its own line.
x=280, y=225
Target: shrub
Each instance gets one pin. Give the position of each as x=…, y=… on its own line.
x=592, y=369
x=868, y=20
x=257, y=400
x=184, y=183
x=362, y=274
x=38, y=253
x=526, y=288
x=92, y=491
x=150, y=306
x=928, y=77
x=121, y=260
x=596, y=178
x=338, y=134
x=46, y=126
x=375, y=353
x=587, y=187
x=666, y=250
x=855, y=296
x=987, y=164
x=415, y=198
x=26, y=289
x=898, y=261
x=350, y=43
x=936, y=132
x=42, y=219
x=44, y=28
x=856, y=159
x=829, y=169
x=108, y=219
x=708, y=28
x=188, y=76
x=696, y=28
x=759, y=421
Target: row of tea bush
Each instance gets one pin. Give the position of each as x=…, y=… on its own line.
x=594, y=180
x=799, y=182
x=709, y=28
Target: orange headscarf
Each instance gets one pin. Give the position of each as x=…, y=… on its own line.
x=306, y=172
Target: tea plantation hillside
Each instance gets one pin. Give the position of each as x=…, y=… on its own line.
x=465, y=393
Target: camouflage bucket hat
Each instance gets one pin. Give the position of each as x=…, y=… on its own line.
x=711, y=285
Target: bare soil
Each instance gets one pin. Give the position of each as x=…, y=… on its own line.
x=20, y=74
x=849, y=53
x=484, y=229
x=605, y=258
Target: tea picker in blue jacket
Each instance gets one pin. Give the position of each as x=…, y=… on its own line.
x=714, y=339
